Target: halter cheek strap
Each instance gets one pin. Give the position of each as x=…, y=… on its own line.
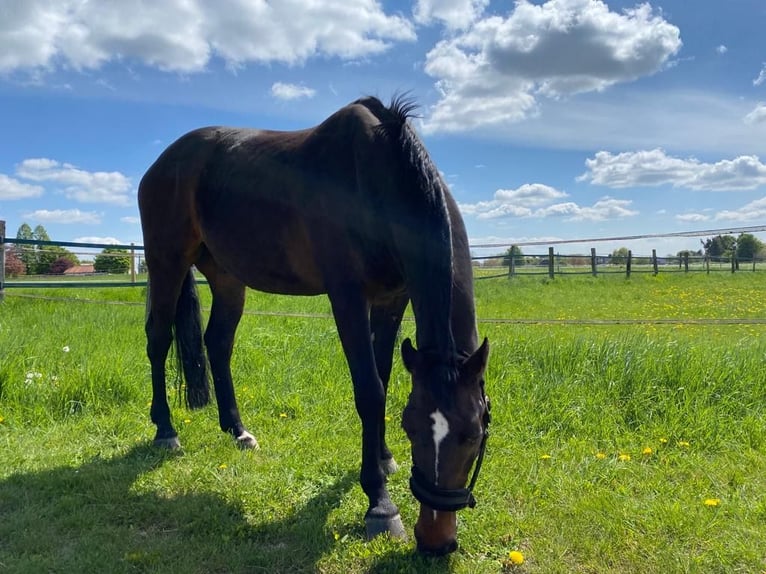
x=450, y=499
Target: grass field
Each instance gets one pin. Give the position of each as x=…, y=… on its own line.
x=633, y=447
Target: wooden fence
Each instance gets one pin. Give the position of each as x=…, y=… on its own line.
x=550, y=264
x=553, y=264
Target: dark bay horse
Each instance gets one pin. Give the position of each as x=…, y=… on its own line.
x=353, y=208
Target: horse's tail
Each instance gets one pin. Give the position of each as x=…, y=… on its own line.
x=190, y=352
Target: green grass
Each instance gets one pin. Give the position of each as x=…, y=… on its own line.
x=82, y=490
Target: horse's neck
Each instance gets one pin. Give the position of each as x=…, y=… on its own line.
x=463, y=314
x=446, y=320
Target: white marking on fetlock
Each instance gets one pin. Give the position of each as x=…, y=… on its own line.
x=440, y=429
x=247, y=440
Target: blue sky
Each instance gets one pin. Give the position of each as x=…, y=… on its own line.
x=550, y=120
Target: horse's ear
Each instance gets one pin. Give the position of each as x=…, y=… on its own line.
x=476, y=363
x=409, y=355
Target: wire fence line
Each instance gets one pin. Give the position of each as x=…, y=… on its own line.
x=551, y=264
x=709, y=321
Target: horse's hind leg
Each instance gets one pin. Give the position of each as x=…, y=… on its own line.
x=163, y=291
x=384, y=325
x=228, y=303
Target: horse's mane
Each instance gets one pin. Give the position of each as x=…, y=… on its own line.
x=436, y=241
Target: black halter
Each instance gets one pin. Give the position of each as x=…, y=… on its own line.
x=451, y=499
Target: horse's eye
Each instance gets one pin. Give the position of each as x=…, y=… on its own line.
x=472, y=438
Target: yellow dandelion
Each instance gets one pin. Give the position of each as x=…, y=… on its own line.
x=223, y=466
x=647, y=451
x=623, y=457
x=336, y=536
x=2, y=420
x=601, y=455
x=282, y=415
x=187, y=421
x=712, y=501
x=516, y=557
x=387, y=418
x=545, y=457
x=684, y=444
x=663, y=440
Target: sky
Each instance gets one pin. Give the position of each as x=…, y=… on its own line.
x=549, y=120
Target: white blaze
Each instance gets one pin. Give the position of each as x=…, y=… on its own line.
x=441, y=430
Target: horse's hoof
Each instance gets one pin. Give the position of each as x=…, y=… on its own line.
x=246, y=441
x=377, y=525
x=388, y=466
x=170, y=443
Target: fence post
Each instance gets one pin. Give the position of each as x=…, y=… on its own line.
x=686, y=261
x=654, y=262
x=593, y=261
x=2, y=260
x=550, y=263
x=512, y=262
x=132, y=262
x=628, y=264
x=707, y=263
x=733, y=262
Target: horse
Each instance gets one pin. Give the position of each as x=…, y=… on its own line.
x=353, y=208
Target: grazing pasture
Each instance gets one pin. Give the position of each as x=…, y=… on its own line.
x=615, y=447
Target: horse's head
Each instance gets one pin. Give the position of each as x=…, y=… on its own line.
x=446, y=420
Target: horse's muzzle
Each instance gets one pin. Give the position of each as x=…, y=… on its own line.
x=436, y=532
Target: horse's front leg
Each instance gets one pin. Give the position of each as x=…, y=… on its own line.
x=384, y=324
x=351, y=312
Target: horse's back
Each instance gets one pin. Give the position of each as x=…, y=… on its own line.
x=273, y=208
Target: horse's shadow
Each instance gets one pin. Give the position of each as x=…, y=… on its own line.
x=43, y=528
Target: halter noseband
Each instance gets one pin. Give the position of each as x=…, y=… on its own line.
x=451, y=499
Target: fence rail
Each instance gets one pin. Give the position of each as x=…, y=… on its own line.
x=551, y=264
x=554, y=264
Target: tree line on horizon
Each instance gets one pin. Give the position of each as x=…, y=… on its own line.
x=746, y=247
x=54, y=259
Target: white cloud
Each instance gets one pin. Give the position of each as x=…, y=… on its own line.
x=454, y=14
x=650, y=168
x=64, y=216
x=605, y=208
x=14, y=189
x=283, y=91
x=757, y=115
x=721, y=49
x=183, y=35
x=80, y=185
x=94, y=239
x=514, y=202
x=753, y=211
x=496, y=71
x=692, y=217
x=761, y=76
x=132, y=219
x=536, y=201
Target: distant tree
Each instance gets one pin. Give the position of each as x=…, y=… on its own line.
x=112, y=260
x=40, y=234
x=515, y=252
x=619, y=256
x=14, y=266
x=720, y=246
x=494, y=262
x=749, y=247
x=60, y=265
x=27, y=253
x=48, y=257
x=38, y=259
